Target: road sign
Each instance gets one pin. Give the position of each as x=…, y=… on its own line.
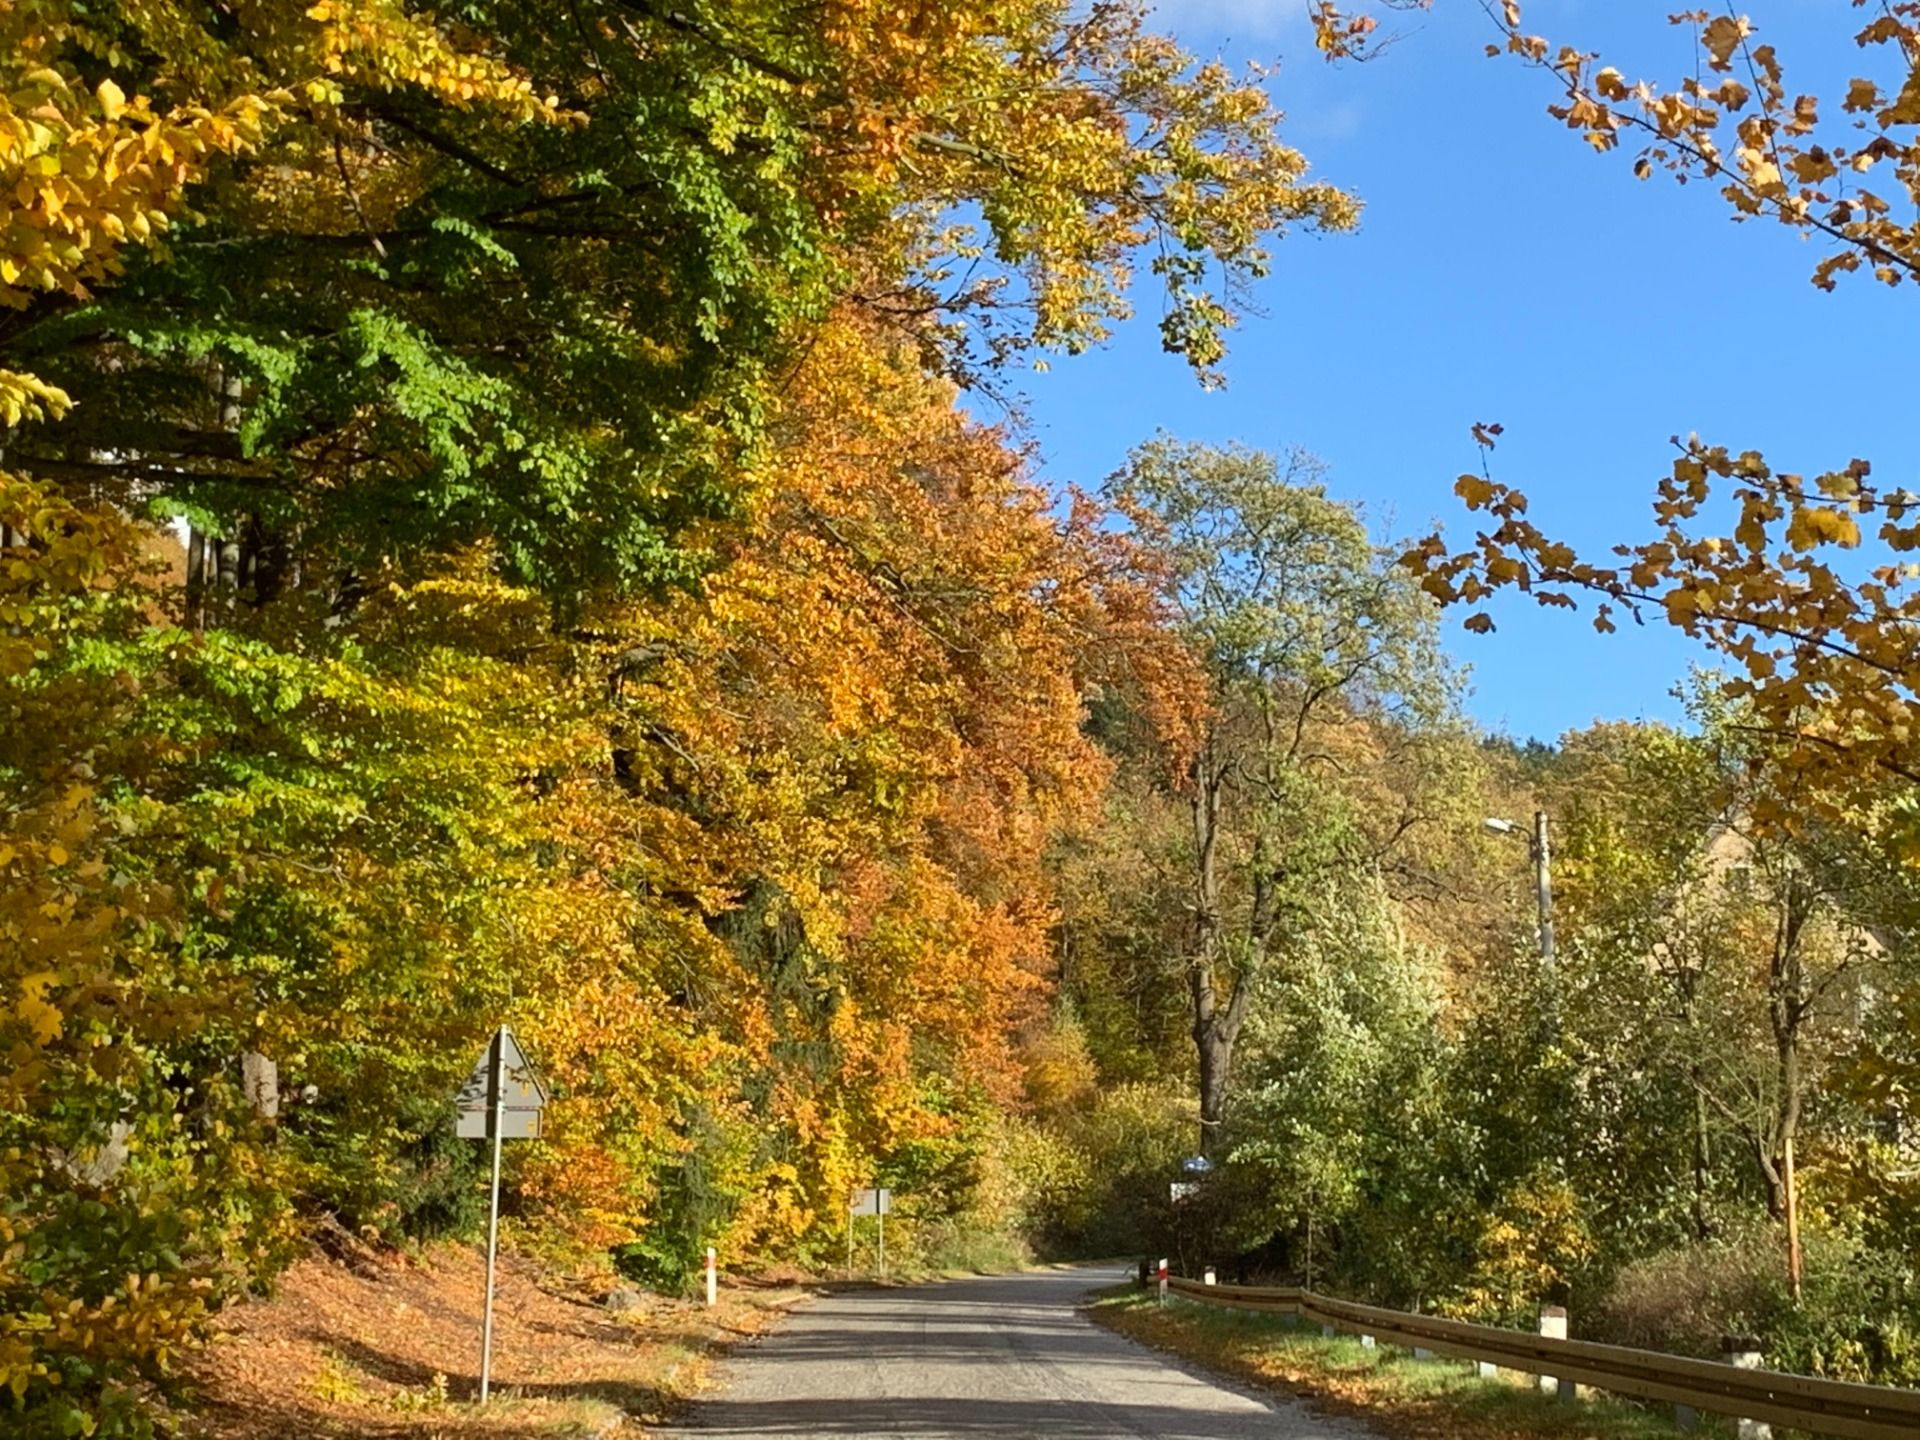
x=503, y=1099
x=522, y=1100
x=878, y=1203
x=871, y=1202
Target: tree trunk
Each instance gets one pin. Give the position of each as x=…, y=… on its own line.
x=1216, y=1066
x=196, y=577
x=1213, y=1045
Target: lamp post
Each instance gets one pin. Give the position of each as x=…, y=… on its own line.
x=1540, y=849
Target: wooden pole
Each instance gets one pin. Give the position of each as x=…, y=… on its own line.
x=1793, y=1218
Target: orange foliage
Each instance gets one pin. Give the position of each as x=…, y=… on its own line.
x=846, y=760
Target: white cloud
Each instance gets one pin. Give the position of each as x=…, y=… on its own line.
x=1339, y=121
x=1192, y=20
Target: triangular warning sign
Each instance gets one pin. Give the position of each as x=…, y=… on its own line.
x=521, y=1100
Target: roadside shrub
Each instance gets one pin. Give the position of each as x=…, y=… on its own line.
x=1122, y=1150
x=1858, y=1317
x=411, y=1179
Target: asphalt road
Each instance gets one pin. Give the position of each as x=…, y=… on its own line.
x=1003, y=1356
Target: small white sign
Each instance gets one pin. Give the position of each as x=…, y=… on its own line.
x=871, y=1202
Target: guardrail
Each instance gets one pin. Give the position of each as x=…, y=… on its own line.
x=1801, y=1402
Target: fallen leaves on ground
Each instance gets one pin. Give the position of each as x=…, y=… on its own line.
x=387, y=1347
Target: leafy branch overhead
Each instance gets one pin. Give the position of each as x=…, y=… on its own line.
x=1844, y=167
x=1826, y=650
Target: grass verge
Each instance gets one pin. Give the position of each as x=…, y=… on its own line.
x=1386, y=1387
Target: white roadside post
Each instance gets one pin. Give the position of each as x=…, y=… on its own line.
x=502, y=1098
x=1553, y=1326
x=713, y=1283
x=1163, y=1279
x=1744, y=1353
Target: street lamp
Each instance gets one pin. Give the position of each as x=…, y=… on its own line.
x=1539, y=849
x=1542, y=855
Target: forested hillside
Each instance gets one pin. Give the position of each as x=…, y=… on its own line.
x=508, y=514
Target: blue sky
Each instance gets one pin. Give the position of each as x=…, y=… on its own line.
x=1504, y=272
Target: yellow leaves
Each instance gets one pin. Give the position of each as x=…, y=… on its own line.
x=1722, y=35
x=42, y=1019
x=90, y=171
x=1760, y=171
x=1611, y=84
x=1811, y=167
x=27, y=397
x=1844, y=484
x=1476, y=490
x=1337, y=35
x=1504, y=570
x=1815, y=525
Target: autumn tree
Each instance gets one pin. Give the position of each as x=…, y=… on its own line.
x=865, y=734
x=540, y=285
x=1319, y=653
x=594, y=604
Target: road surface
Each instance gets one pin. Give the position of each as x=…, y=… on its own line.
x=1003, y=1357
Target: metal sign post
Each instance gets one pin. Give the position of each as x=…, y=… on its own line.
x=496, y=1116
x=870, y=1202
x=502, y=1098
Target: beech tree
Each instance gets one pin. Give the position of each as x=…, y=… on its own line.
x=542, y=285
